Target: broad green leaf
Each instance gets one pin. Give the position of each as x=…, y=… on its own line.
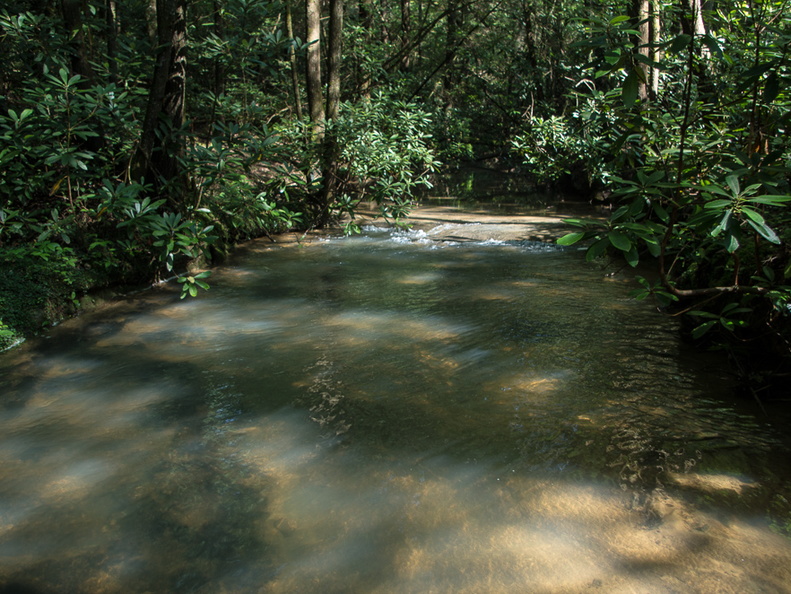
x=723, y=224
x=661, y=212
x=629, y=90
x=619, y=213
x=620, y=241
x=698, y=313
x=619, y=19
x=654, y=248
x=712, y=189
x=637, y=206
x=731, y=243
x=632, y=257
x=597, y=249
x=770, y=200
x=570, y=239
x=755, y=216
x=733, y=184
x=680, y=42
x=733, y=308
x=717, y=204
x=713, y=45
x=764, y=231
x=702, y=329
x=771, y=88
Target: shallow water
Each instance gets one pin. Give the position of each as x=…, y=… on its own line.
x=386, y=414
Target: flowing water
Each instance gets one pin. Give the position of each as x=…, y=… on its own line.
x=385, y=414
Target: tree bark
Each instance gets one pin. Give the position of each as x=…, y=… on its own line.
x=313, y=74
x=111, y=23
x=151, y=21
x=71, y=11
x=643, y=18
x=292, y=58
x=329, y=173
x=365, y=11
x=453, y=24
x=656, y=38
x=334, y=53
x=692, y=23
x=406, y=31
x=156, y=160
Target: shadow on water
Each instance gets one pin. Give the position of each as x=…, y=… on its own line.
x=118, y=482
x=375, y=416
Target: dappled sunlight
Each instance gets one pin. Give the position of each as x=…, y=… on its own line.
x=433, y=524
x=420, y=279
x=528, y=387
x=712, y=482
x=389, y=326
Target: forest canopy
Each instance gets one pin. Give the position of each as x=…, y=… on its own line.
x=138, y=136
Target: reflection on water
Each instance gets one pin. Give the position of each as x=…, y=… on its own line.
x=385, y=414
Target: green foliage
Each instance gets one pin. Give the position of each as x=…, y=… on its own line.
x=555, y=146
x=243, y=213
x=702, y=186
x=385, y=154
x=192, y=282
x=7, y=336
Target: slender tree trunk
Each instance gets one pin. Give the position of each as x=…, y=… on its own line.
x=330, y=149
x=365, y=11
x=692, y=23
x=656, y=38
x=643, y=18
x=313, y=78
x=334, y=52
x=219, y=31
x=453, y=23
x=111, y=23
x=406, y=32
x=151, y=21
x=157, y=156
x=71, y=11
x=292, y=57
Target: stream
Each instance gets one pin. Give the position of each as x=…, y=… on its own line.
x=415, y=411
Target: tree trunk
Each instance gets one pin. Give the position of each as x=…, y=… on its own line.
x=656, y=38
x=292, y=57
x=334, y=52
x=157, y=156
x=111, y=23
x=692, y=23
x=643, y=18
x=453, y=24
x=71, y=10
x=329, y=172
x=313, y=77
x=151, y=21
x=365, y=11
x=406, y=31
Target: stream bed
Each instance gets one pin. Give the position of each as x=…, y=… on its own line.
x=380, y=414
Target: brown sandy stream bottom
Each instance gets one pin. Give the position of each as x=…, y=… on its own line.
x=390, y=413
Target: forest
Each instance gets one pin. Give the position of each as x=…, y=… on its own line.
x=142, y=140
